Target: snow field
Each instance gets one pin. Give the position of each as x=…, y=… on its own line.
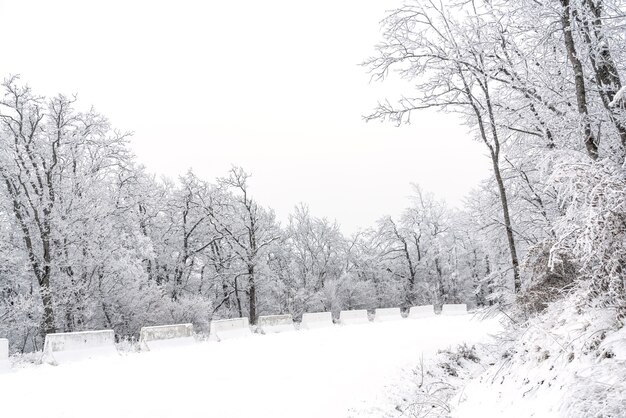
x=328, y=372
x=454, y=309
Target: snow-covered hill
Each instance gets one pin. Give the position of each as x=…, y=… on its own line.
x=567, y=362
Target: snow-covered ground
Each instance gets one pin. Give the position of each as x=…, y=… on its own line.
x=343, y=371
x=565, y=363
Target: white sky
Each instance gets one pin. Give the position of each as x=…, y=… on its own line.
x=272, y=86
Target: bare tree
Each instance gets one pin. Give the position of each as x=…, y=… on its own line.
x=50, y=152
x=450, y=68
x=249, y=229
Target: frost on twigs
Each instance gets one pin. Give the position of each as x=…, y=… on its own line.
x=568, y=361
x=438, y=380
x=550, y=275
x=619, y=98
x=593, y=230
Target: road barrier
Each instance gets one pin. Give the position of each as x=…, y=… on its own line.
x=162, y=336
x=353, y=317
x=424, y=311
x=270, y=324
x=224, y=329
x=387, y=314
x=5, y=365
x=316, y=320
x=71, y=346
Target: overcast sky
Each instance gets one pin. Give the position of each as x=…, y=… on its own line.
x=273, y=86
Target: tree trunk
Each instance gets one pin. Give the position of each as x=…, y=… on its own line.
x=494, y=152
x=579, y=80
x=41, y=274
x=48, y=311
x=507, y=223
x=238, y=299
x=604, y=68
x=440, y=291
x=252, y=294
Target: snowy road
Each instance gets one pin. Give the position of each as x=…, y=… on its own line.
x=331, y=373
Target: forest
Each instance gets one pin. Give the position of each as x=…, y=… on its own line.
x=91, y=240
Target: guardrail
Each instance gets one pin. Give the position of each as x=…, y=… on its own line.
x=69, y=346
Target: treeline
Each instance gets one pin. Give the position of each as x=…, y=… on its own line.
x=90, y=240
x=539, y=83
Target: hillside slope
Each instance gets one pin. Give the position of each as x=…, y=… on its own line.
x=568, y=362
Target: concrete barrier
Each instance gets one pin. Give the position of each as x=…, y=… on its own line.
x=224, y=329
x=316, y=320
x=71, y=346
x=271, y=324
x=387, y=314
x=457, y=309
x=5, y=365
x=163, y=336
x=353, y=317
x=424, y=311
